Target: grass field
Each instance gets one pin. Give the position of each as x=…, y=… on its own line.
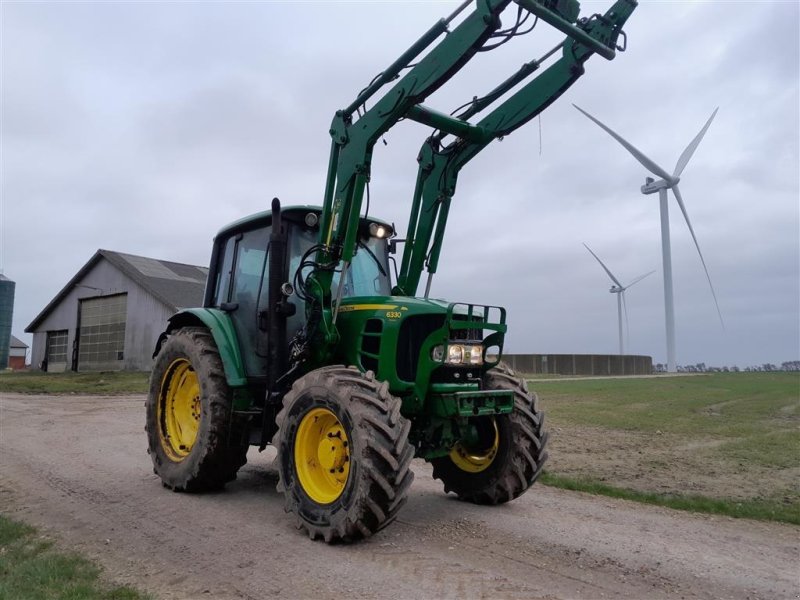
x=36, y=382
x=31, y=569
x=724, y=442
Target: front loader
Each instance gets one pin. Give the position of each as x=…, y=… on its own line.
x=305, y=341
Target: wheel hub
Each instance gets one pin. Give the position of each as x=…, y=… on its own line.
x=180, y=408
x=479, y=455
x=322, y=455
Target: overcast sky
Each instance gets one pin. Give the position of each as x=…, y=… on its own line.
x=144, y=127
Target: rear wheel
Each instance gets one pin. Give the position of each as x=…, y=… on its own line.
x=191, y=439
x=343, y=454
x=507, y=454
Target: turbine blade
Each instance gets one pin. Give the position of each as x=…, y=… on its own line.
x=638, y=279
x=610, y=274
x=689, y=151
x=678, y=197
x=646, y=162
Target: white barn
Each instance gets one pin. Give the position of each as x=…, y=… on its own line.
x=110, y=314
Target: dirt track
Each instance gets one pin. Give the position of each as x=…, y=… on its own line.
x=78, y=467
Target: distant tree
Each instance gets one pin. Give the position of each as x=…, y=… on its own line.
x=769, y=367
x=791, y=365
x=725, y=369
x=735, y=369
x=701, y=367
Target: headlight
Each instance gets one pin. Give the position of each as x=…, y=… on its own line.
x=474, y=355
x=455, y=354
x=437, y=354
x=458, y=354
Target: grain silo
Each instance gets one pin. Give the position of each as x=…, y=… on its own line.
x=6, y=312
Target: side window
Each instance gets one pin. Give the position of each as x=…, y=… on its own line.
x=224, y=272
x=249, y=266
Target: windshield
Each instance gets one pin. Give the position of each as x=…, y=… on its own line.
x=368, y=274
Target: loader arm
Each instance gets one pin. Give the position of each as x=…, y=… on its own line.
x=440, y=164
x=355, y=130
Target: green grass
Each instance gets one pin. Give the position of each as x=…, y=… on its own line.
x=30, y=568
x=734, y=425
x=36, y=382
x=732, y=404
x=765, y=510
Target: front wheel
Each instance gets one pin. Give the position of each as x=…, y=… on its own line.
x=343, y=454
x=508, y=452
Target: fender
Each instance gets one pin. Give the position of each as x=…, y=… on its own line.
x=221, y=327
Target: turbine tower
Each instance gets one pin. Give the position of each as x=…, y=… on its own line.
x=619, y=290
x=651, y=186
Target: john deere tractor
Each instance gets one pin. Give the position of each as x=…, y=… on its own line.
x=310, y=340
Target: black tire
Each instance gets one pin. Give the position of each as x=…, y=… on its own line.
x=520, y=453
x=219, y=448
x=379, y=458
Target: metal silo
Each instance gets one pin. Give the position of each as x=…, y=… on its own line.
x=6, y=312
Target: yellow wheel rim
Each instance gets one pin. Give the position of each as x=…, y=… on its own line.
x=475, y=460
x=322, y=455
x=180, y=408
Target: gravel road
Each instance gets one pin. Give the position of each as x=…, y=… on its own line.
x=77, y=466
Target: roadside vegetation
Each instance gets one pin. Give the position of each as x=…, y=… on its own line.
x=37, y=382
x=724, y=443
x=31, y=568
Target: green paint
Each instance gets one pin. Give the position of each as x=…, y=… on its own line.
x=221, y=327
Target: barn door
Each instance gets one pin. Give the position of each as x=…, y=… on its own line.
x=101, y=334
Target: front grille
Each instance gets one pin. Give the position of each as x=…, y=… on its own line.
x=413, y=332
x=371, y=344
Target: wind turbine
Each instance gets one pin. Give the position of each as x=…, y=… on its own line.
x=619, y=290
x=661, y=186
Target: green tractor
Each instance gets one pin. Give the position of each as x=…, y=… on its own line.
x=312, y=339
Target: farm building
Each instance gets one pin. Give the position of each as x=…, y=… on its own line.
x=110, y=314
x=18, y=352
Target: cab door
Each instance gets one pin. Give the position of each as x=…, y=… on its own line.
x=246, y=255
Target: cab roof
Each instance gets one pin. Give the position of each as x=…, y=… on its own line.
x=265, y=217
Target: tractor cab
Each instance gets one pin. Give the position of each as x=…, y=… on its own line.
x=239, y=283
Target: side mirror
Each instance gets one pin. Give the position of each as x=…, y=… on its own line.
x=393, y=245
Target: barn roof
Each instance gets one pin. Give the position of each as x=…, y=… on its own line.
x=176, y=285
x=17, y=343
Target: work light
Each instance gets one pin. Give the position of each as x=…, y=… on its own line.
x=377, y=230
